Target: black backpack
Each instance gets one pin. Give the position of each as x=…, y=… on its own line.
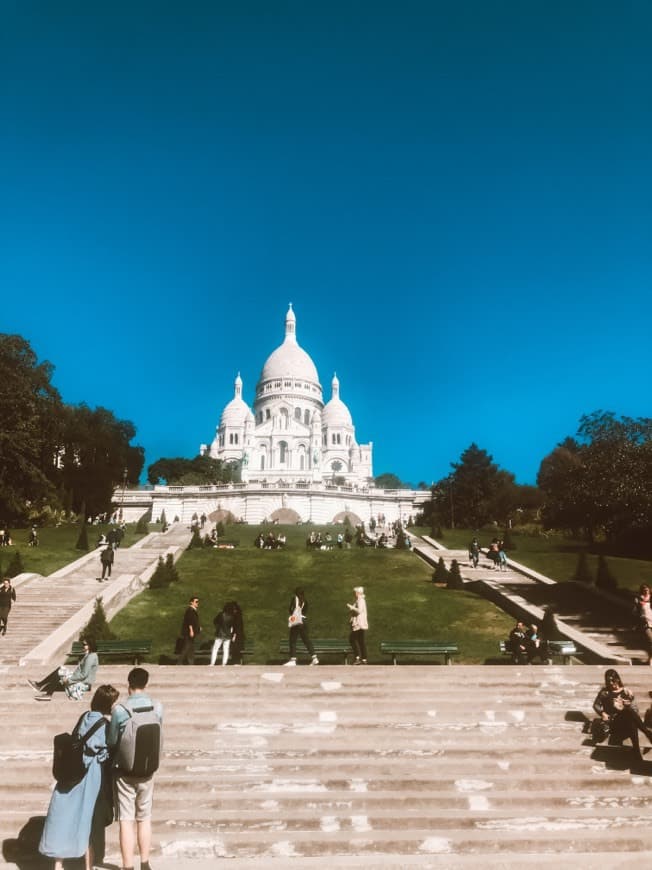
x=68, y=766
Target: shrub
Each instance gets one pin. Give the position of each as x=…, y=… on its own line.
x=82, y=540
x=220, y=530
x=171, y=568
x=440, y=574
x=454, y=576
x=159, y=579
x=508, y=540
x=142, y=526
x=15, y=566
x=604, y=579
x=162, y=519
x=582, y=571
x=97, y=626
x=196, y=540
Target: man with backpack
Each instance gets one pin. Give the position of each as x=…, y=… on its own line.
x=134, y=737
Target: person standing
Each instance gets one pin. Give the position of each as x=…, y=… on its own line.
x=474, y=552
x=297, y=624
x=67, y=828
x=359, y=626
x=133, y=796
x=190, y=629
x=238, y=642
x=643, y=610
x=107, y=557
x=224, y=631
x=7, y=598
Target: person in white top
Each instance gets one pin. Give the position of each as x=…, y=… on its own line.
x=359, y=626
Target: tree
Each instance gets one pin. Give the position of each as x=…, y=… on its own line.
x=97, y=626
x=604, y=579
x=95, y=451
x=82, y=540
x=601, y=482
x=476, y=491
x=195, y=540
x=15, y=566
x=199, y=471
x=29, y=410
x=454, y=576
x=582, y=571
x=390, y=481
x=440, y=574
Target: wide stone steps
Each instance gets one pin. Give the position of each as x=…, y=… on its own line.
x=372, y=767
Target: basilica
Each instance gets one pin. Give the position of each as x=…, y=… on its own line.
x=290, y=435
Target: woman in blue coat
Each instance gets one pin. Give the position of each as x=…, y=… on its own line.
x=68, y=823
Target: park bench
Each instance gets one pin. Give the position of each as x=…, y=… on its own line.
x=396, y=648
x=135, y=650
x=564, y=649
x=323, y=647
x=203, y=654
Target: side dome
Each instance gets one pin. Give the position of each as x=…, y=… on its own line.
x=237, y=411
x=289, y=359
x=335, y=412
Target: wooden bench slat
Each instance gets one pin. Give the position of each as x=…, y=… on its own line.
x=134, y=649
x=322, y=646
x=419, y=648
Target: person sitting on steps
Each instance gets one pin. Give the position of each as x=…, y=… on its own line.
x=617, y=706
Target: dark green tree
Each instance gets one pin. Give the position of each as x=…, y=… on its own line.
x=82, y=540
x=30, y=414
x=195, y=540
x=201, y=470
x=171, y=568
x=15, y=566
x=604, y=579
x=390, y=481
x=97, y=626
x=160, y=579
x=582, y=571
x=454, y=576
x=440, y=574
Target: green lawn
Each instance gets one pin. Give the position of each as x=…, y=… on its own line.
x=555, y=555
x=56, y=546
x=402, y=602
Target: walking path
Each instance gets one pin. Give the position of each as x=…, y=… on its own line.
x=512, y=588
x=51, y=611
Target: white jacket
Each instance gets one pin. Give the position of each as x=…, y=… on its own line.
x=359, y=618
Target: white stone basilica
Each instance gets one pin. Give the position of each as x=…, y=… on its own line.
x=299, y=458
x=290, y=435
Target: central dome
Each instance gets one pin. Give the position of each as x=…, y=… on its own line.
x=289, y=360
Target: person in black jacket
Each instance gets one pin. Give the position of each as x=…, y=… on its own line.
x=616, y=705
x=224, y=631
x=190, y=629
x=297, y=623
x=7, y=597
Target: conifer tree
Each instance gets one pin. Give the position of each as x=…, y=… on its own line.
x=171, y=569
x=159, y=579
x=454, y=576
x=582, y=571
x=196, y=540
x=97, y=626
x=82, y=540
x=440, y=574
x=15, y=566
x=604, y=579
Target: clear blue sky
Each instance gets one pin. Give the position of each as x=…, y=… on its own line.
x=456, y=197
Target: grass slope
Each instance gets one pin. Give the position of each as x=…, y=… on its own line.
x=555, y=555
x=56, y=546
x=402, y=602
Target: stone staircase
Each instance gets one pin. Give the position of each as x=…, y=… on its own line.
x=518, y=590
x=361, y=767
x=46, y=605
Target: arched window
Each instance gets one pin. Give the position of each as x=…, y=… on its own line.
x=306, y=417
x=297, y=414
x=267, y=413
x=284, y=418
x=282, y=452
